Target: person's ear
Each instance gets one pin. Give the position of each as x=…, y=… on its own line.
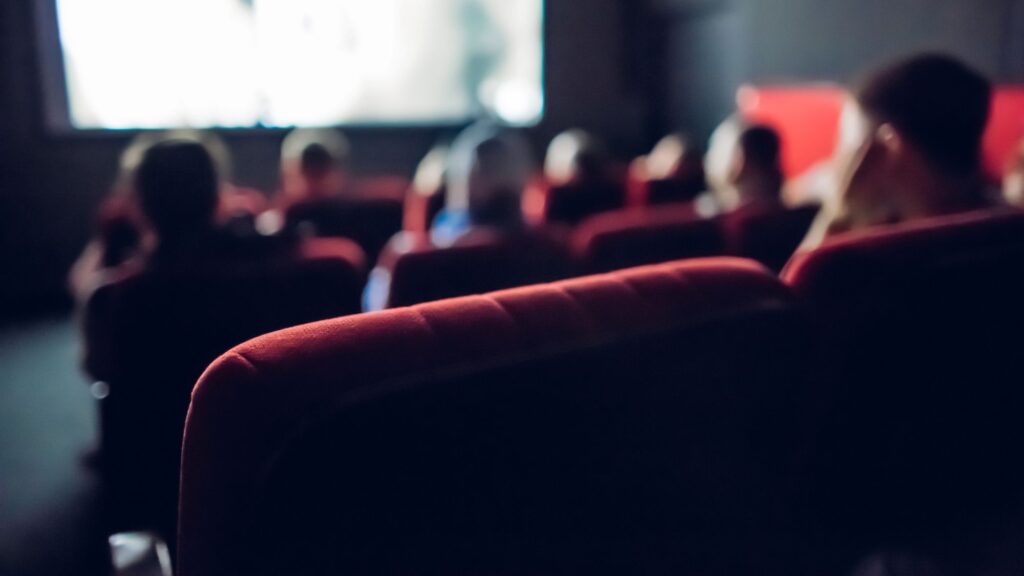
x=891, y=142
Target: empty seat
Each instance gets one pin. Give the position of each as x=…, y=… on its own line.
x=925, y=428
x=769, y=235
x=482, y=262
x=639, y=422
x=634, y=237
x=149, y=334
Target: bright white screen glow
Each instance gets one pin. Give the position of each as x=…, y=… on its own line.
x=278, y=63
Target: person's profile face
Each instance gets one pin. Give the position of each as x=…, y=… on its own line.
x=859, y=166
x=1013, y=181
x=722, y=155
x=560, y=166
x=855, y=134
x=1013, y=187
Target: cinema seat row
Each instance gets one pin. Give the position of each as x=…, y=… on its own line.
x=692, y=417
x=702, y=414
x=421, y=272
x=132, y=321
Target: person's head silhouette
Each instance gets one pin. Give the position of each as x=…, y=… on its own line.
x=488, y=171
x=314, y=163
x=910, y=142
x=575, y=155
x=743, y=163
x=177, y=186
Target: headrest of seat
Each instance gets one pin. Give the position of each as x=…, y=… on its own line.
x=512, y=322
x=945, y=242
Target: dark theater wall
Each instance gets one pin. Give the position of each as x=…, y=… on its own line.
x=50, y=185
x=718, y=44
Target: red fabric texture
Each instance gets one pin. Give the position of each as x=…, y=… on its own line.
x=920, y=242
x=249, y=402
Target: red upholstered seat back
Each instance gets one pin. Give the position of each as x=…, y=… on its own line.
x=149, y=336
x=639, y=421
x=482, y=263
x=635, y=237
x=769, y=235
x=926, y=323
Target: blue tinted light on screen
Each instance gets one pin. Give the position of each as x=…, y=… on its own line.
x=243, y=63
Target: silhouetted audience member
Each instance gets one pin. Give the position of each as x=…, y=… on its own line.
x=672, y=172
x=178, y=189
x=487, y=173
x=238, y=206
x=578, y=180
x=743, y=168
x=122, y=233
x=314, y=169
x=909, y=146
x=575, y=155
x=119, y=232
x=314, y=164
x=1013, y=179
x=177, y=186
x=320, y=197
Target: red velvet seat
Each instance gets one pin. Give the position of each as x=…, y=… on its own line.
x=769, y=235
x=483, y=262
x=925, y=430
x=635, y=237
x=149, y=334
x=635, y=422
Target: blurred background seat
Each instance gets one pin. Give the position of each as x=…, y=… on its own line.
x=634, y=237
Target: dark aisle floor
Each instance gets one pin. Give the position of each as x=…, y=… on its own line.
x=49, y=521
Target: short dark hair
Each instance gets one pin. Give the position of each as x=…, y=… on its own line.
x=937, y=102
x=761, y=146
x=177, y=186
x=316, y=160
